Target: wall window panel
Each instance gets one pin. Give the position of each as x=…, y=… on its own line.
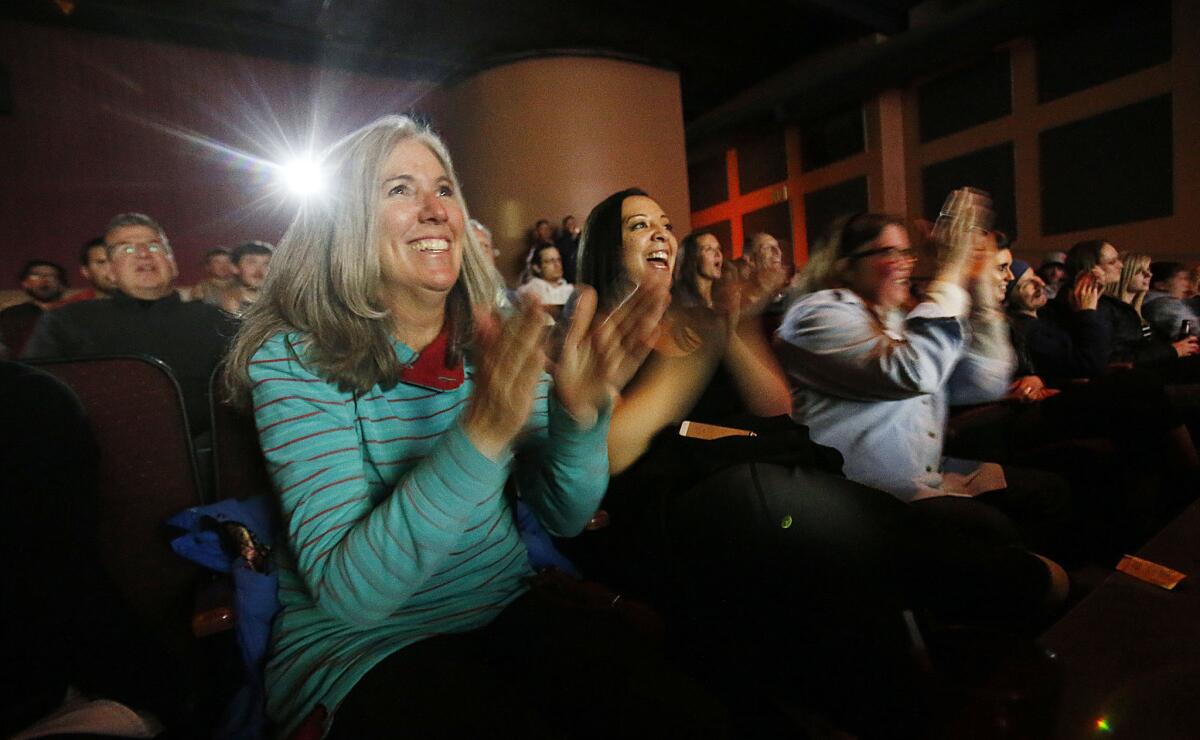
x=1109, y=169
x=823, y=207
x=989, y=169
x=833, y=138
x=1122, y=39
x=966, y=97
x=762, y=161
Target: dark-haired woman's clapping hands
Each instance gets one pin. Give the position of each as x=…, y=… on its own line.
x=600, y=356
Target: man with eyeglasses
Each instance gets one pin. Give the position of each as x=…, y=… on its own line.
x=146, y=316
x=547, y=282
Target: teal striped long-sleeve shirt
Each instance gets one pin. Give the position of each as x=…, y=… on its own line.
x=396, y=525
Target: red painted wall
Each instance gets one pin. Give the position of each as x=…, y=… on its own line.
x=104, y=124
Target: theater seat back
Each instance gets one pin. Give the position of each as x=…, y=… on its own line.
x=147, y=473
x=239, y=468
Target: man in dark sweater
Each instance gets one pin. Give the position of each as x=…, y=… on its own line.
x=1077, y=345
x=145, y=316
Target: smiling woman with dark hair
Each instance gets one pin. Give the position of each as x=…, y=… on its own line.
x=749, y=543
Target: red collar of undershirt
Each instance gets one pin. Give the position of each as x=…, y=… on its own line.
x=429, y=369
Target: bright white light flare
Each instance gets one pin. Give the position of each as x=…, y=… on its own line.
x=302, y=177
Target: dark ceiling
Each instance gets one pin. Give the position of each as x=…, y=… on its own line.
x=717, y=53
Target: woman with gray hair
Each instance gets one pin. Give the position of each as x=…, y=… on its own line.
x=392, y=406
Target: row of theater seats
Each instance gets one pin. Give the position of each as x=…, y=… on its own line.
x=148, y=472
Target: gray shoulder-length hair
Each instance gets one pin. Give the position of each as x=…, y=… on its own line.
x=324, y=283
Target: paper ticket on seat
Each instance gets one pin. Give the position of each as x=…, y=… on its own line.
x=1144, y=570
x=700, y=430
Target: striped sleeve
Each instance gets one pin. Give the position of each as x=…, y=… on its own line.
x=563, y=473
x=360, y=561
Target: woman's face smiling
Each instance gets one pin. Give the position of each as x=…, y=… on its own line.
x=881, y=278
x=1030, y=293
x=648, y=244
x=1004, y=273
x=420, y=223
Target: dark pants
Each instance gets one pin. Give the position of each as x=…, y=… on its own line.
x=1032, y=511
x=788, y=575
x=1114, y=440
x=821, y=543
x=543, y=669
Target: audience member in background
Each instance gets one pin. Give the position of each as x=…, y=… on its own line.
x=700, y=262
x=251, y=261
x=876, y=383
x=767, y=273
x=1053, y=272
x=483, y=236
x=506, y=297
x=1134, y=283
x=44, y=283
x=1193, y=298
x=1078, y=347
x=1165, y=307
x=1131, y=343
x=408, y=597
x=145, y=316
x=546, y=282
x=568, y=245
x=1130, y=408
x=543, y=233
x=750, y=543
x=1004, y=262
x=218, y=266
x=94, y=267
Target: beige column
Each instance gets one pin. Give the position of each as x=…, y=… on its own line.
x=887, y=184
x=547, y=137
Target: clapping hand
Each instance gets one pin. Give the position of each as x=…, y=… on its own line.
x=509, y=361
x=982, y=274
x=599, y=357
x=965, y=213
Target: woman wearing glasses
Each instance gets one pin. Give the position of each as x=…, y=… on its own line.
x=756, y=547
x=874, y=377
